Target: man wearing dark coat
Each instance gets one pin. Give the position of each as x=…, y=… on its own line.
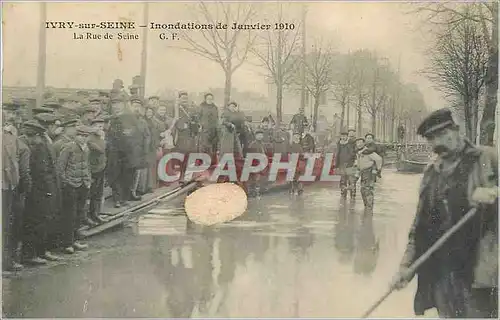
x=115, y=169
x=97, y=161
x=299, y=123
x=73, y=168
x=344, y=164
x=68, y=135
x=209, y=120
x=42, y=202
x=186, y=130
x=308, y=142
x=16, y=182
x=461, y=279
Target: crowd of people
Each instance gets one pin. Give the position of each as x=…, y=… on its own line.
x=57, y=159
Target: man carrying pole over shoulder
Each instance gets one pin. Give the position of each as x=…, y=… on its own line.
x=461, y=278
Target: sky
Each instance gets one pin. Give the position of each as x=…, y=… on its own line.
x=381, y=26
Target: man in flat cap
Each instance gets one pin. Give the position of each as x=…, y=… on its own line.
x=12, y=115
x=125, y=152
x=97, y=104
x=52, y=103
x=88, y=113
x=49, y=122
x=16, y=182
x=344, y=165
x=68, y=134
x=209, y=121
x=97, y=161
x=461, y=279
x=297, y=148
x=257, y=146
x=140, y=148
x=368, y=166
x=39, y=110
x=42, y=201
x=73, y=168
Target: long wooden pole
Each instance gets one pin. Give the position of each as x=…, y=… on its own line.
x=424, y=257
x=42, y=55
x=303, y=69
x=144, y=53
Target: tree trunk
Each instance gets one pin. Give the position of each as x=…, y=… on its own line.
x=488, y=120
x=315, y=112
x=227, y=84
x=359, y=128
x=347, y=106
x=342, y=115
x=279, y=102
x=374, y=122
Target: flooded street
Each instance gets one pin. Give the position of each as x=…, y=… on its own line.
x=309, y=256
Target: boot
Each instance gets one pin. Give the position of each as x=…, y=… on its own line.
x=89, y=222
x=51, y=257
x=69, y=250
x=15, y=267
x=134, y=196
x=300, y=189
x=80, y=246
x=118, y=204
x=343, y=193
x=38, y=261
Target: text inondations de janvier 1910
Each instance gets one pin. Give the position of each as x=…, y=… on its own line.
x=120, y=30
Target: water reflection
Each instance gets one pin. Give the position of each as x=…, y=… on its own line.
x=355, y=238
x=367, y=248
x=304, y=239
x=344, y=230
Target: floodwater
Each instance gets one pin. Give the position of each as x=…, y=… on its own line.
x=288, y=256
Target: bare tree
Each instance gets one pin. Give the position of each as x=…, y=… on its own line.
x=343, y=84
x=458, y=66
x=276, y=51
x=378, y=90
x=485, y=16
x=319, y=74
x=226, y=46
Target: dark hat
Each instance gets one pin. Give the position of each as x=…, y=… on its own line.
x=343, y=133
x=182, y=93
x=70, y=123
x=104, y=94
x=32, y=124
x=98, y=120
x=120, y=97
x=154, y=98
x=95, y=99
x=46, y=118
x=438, y=120
x=118, y=82
x=351, y=129
x=52, y=103
x=248, y=118
x=136, y=99
x=83, y=130
x=370, y=134
x=360, y=139
x=259, y=131
x=39, y=110
x=87, y=108
x=13, y=104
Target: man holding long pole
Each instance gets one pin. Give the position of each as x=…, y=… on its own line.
x=461, y=278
